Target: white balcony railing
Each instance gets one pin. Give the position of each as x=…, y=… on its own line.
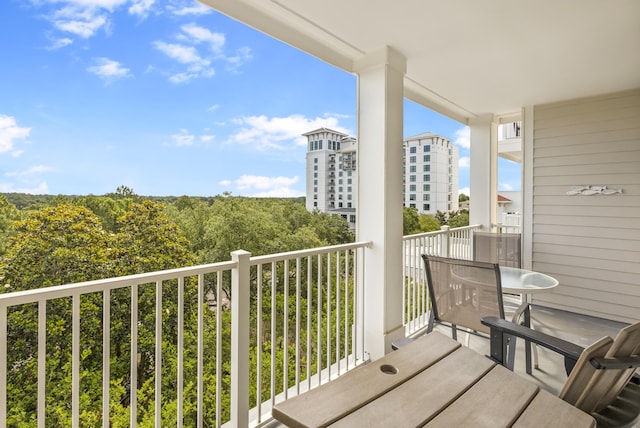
x=456, y=243
x=223, y=342
x=294, y=320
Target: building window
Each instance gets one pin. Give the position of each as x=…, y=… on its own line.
x=340, y=174
x=315, y=204
x=412, y=205
x=348, y=197
x=427, y=148
x=412, y=149
x=339, y=204
x=412, y=159
x=315, y=182
x=315, y=196
x=315, y=189
x=340, y=197
x=412, y=168
x=320, y=145
x=412, y=197
x=426, y=168
x=426, y=187
x=340, y=189
x=349, y=173
x=425, y=196
x=412, y=188
x=426, y=207
x=315, y=160
x=427, y=158
x=315, y=167
x=348, y=188
x=340, y=181
x=348, y=204
x=412, y=178
x=315, y=175
x=349, y=181
x=352, y=218
x=426, y=177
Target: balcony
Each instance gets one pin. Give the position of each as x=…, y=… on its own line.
x=306, y=328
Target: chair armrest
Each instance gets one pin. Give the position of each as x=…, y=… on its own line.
x=616, y=363
x=502, y=331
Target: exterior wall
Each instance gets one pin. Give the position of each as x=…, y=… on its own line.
x=590, y=243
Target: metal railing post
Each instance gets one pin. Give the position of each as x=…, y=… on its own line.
x=240, y=294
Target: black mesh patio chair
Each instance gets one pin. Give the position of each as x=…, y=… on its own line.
x=461, y=292
x=602, y=379
x=501, y=248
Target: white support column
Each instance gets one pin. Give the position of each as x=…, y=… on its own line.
x=484, y=172
x=380, y=136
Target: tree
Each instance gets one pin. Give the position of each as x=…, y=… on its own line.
x=8, y=215
x=53, y=246
x=410, y=221
x=459, y=219
x=429, y=223
x=462, y=197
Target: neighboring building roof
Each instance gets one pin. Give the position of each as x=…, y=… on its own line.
x=423, y=135
x=324, y=130
x=503, y=200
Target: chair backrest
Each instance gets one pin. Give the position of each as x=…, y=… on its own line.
x=501, y=248
x=591, y=389
x=464, y=291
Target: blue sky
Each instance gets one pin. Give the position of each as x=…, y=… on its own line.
x=168, y=98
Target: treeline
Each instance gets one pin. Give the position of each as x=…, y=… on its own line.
x=70, y=239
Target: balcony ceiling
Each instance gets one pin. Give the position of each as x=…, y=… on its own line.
x=468, y=58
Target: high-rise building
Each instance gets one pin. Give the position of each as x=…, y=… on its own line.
x=430, y=173
x=332, y=182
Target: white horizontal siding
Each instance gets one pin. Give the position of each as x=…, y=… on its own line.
x=591, y=244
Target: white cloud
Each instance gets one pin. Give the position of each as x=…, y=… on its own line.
x=59, y=43
x=189, y=8
x=183, y=138
x=80, y=20
x=203, y=35
x=38, y=169
x=207, y=138
x=199, y=62
x=141, y=7
x=464, y=162
x=214, y=107
x=109, y=70
x=505, y=186
x=261, y=186
x=10, y=132
x=225, y=183
x=84, y=18
x=463, y=137
x=279, y=132
x=465, y=190
x=40, y=189
x=181, y=53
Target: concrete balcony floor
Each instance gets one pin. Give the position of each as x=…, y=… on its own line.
x=579, y=329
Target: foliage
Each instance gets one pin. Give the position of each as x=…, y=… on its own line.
x=83, y=238
x=428, y=223
x=458, y=219
x=462, y=197
x=410, y=221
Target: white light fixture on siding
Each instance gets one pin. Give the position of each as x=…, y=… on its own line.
x=592, y=190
